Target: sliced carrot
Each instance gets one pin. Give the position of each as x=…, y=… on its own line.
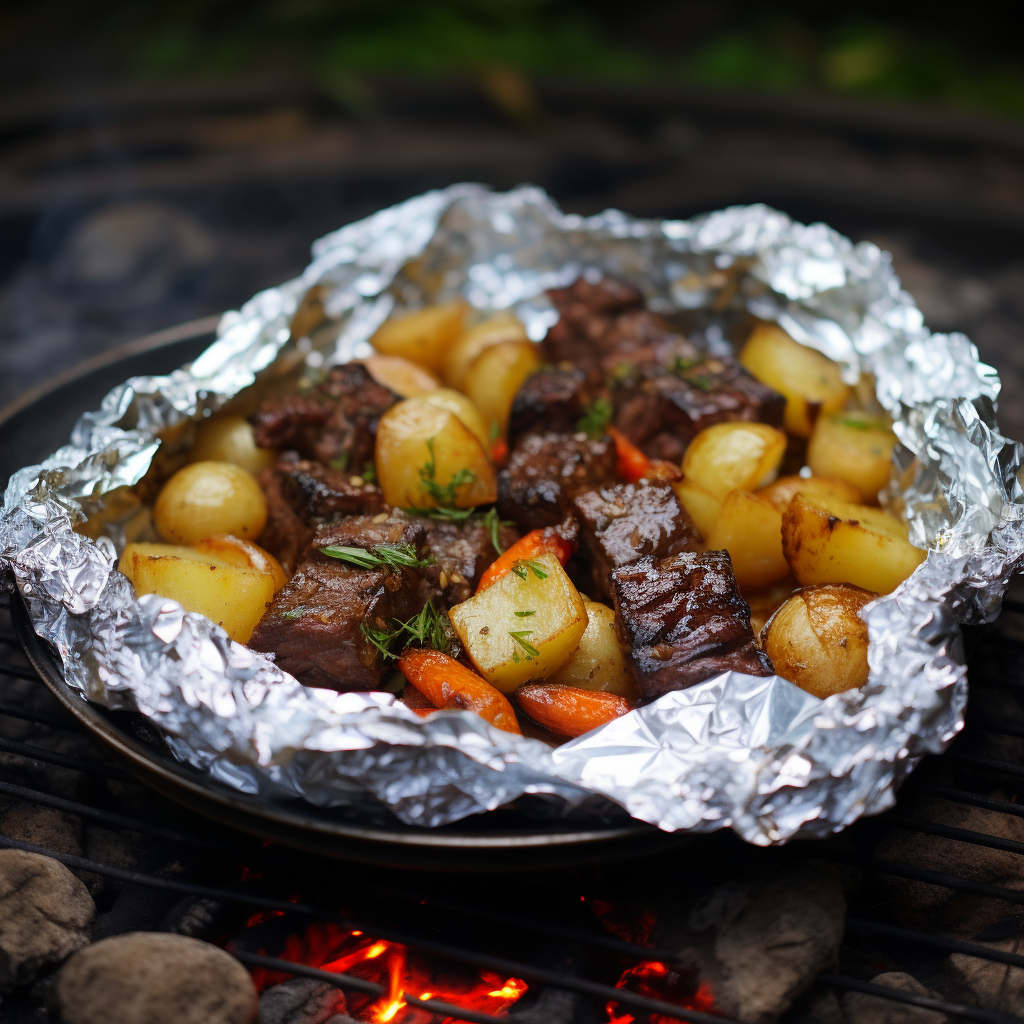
x=535, y=543
x=634, y=465
x=499, y=451
x=447, y=684
x=569, y=710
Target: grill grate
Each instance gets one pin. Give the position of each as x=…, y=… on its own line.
x=422, y=900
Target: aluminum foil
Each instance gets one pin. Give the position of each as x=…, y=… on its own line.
x=758, y=755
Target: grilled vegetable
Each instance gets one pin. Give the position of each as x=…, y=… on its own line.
x=533, y=545
x=856, y=447
x=228, y=438
x=569, y=710
x=498, y=328
x=734, y=456
x=750, y=529
x=701, y=504
x=495, y=377
x=599, y=663
x=782, y=491
x=207, y=499
x=423, y=337
x=402, y=375
x=447, y=398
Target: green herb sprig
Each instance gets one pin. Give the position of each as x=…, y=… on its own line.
x=519, y=637
x=493, y=523
x=522, y=567
x=429, y=628
x=387, y=556
x=594, y=422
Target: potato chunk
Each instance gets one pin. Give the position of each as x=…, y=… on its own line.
x=818, y=640
x=856, y=447
x=833, y=541
x=733, y=456
x=499, y=327
x=599, y=663
x=228, y=438
x=782, y=491
x=495, y=377
x=207, y=499
x=423, y=337
x=233, y=596
x=229, y=550
x=701, y=505
x=750, y=529
x=404, y=377
x=810, y=382
x=448, y=398
x=424, y=453
x=523, y=627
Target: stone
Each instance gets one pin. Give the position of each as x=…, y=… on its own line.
x=45, y=915
x=301, y=1001
x=43, y=826
x=152, y=978
x=995, y=986
x=861, y=1008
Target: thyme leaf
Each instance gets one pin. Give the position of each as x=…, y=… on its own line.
x=525, y=615
x=493, y=524
x=388, y=556
x=521, y=566
x=443, y=494
x=594, y=421
x=428, y=628
x=519, y=637
x=369, y=473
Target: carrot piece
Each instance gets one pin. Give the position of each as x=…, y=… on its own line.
x=569, y=710
x=534, y=544
x=499, y=451
x=447, y=684
x=633, y=465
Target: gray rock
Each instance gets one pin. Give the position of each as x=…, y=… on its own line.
x=45, y=915
x=862, y=1008
x=152, y=978
x=301, y=1001
x=995, y=986
x=43, y=826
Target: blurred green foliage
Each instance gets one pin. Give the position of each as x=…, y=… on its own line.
x=338, y=41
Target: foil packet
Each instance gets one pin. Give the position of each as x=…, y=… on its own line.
x=758, y=755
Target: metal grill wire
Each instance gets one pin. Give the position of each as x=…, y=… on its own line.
x=414, y=892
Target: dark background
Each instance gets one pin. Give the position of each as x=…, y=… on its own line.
x=162, y=162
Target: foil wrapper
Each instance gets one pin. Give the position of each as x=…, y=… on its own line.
x=758, y=755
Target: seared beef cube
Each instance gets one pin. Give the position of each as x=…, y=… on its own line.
x=313, y=624
x=461, y=551
x=393, y=527
x=549, y=401
x=684, y=621
x=287, y=533
x=334, y=423
x=625, y=522
x=546, y=471
x=318, y=492
x=661, y=411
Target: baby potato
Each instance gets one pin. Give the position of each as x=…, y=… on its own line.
x=209, y=498
x=423, y=337
x=422, y=448
x=233, y=596
x=448, y=398
x=782, y=491
x=818, y=640
x=495, y=377
x=228, y=438
x=701, y=505
x=733, y=456
x=834, y=541
x=405, y=378
x=232, y=551
x=750, y=529
x=524, y=626
x=499, y=327
x=856, y=447
x=599, y=663
x=811, y=383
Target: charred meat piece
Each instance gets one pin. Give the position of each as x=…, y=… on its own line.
x=287, y=533
x=313, y=624
x=684, y=621
x=660, y=410
x=461, y=551
x=334, y=423
x=625, y=522
x=393, y=527
x=546, y=471
x=549, y=401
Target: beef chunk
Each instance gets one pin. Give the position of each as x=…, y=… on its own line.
x=287, y=534
x=684, y=621
x=546, y=471
x=660, y=410
x=622, y=523
x=549, y=401
x=393, y=527
x=461, y=551
x=334, y=423
x=313, y=624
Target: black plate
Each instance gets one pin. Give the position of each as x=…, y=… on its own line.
x=510, y=838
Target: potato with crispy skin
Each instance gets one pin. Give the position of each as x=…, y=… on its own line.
x=701, y=505
x=497, y=328
x=228, y=438
x=599, y=662
x=811, y=383
x=734, y=456
x=818, y=640
x=856, y=447
x=833, y=541
x=423, y=337
x=782, y=491
x=458, y=403
x=496, y=375
x=402, y=375
x=233, y=551
x=426, y=456
x=207, y=499
x=750, y=529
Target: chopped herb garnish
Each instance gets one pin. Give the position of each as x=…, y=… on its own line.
x=525, y=615
x=390, y=556
x=704, y=384
x=523, y=564
x=495, y=431
x=430, y=628
x=519, y=636
x=341, y=462
x=857, y=423
x=369, y=473
x=493, y=524
x=594, y=422
x=445, y=513
x=443, y=494
x=681, y=364
x=621, y=373
x=294, y=613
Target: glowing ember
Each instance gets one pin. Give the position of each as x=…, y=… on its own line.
x=654, y=980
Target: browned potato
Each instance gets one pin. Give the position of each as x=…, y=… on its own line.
x=782, y=492
x=833, y=541
x=495, y=377
x=233, y=596
x=810, y=382
x=499, y=327
x=599, y=662
x=734, y=456
x=855, y=446
x=701, y=505
x=206, y=499
x=458, y=403
x=818, y=640
x=765, y=603
x=750, y=529
x=405, y=378
x=423, y=337
x=232, y=551
x=228, y=438
x=426, y=456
